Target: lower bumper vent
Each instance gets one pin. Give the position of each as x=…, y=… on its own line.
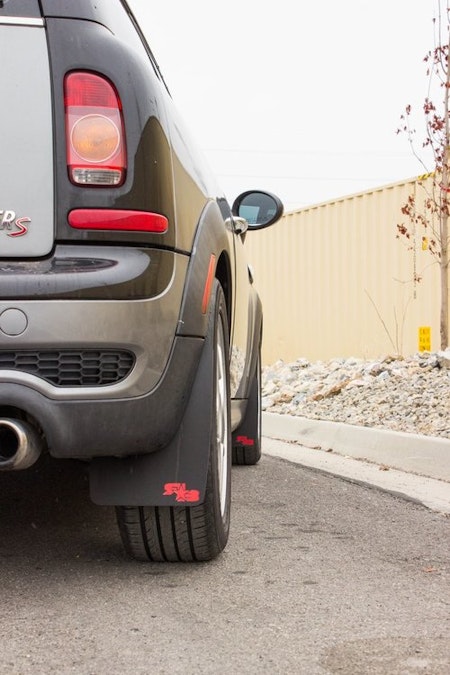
x=70, y=367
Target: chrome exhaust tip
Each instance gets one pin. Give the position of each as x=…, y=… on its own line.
x=20, y=445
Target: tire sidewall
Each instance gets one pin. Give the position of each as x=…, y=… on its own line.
x=222, y=520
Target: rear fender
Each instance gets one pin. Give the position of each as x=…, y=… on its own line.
x=213, y=241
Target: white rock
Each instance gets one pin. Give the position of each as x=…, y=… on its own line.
x=403, y=394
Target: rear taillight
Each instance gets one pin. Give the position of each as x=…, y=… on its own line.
x=95, y=135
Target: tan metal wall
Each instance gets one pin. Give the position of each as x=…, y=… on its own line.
x=331, y=274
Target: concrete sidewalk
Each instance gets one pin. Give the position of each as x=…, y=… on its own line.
x=409, y=465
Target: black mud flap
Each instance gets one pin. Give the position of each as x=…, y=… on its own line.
x=177, y=473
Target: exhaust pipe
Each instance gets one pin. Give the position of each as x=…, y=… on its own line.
x=20, y=444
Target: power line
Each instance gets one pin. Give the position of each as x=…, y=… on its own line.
x=309, y=178
x=337, y=153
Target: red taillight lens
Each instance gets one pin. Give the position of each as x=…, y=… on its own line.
x=95, y=135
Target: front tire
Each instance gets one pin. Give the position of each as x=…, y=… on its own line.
x=193, y=533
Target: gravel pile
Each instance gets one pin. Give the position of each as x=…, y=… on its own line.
x=410, y=394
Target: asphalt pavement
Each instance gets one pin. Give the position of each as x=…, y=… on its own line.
x=320, y=577
x=413, y=466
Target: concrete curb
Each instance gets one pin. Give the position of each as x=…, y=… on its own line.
x=410, y=465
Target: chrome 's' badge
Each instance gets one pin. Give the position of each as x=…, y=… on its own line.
x=12, y=226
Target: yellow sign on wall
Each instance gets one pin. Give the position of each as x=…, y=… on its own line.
x=424, y=338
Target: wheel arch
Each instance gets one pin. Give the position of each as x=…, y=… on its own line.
x=213, y=243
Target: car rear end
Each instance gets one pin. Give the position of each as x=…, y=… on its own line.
x=91, y=278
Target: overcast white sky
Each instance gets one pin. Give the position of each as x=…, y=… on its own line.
x=299, y=97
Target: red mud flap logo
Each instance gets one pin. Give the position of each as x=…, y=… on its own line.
x=244, y=440
x=182, y=494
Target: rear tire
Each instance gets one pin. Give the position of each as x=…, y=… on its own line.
x=247, y=438
x=193, y=533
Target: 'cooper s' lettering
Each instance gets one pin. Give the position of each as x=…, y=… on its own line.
x=16, y=227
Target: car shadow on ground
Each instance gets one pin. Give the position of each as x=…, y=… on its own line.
x=46, y=513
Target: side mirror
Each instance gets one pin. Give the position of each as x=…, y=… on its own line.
x=260, y=209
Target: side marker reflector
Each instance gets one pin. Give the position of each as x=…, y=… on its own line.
x=208, y=283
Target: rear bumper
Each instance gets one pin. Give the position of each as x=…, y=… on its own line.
x=83, y=307
x=84, y=299
x=117, y=427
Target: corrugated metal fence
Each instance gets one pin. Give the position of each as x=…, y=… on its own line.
x=336, y=282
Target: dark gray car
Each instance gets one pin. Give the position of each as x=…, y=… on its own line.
x=130, y=330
